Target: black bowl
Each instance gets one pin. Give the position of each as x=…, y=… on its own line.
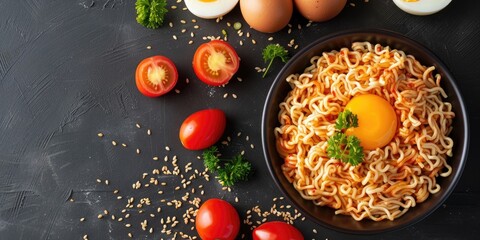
x=325, y=216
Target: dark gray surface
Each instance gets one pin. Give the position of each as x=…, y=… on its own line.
x=67, y=73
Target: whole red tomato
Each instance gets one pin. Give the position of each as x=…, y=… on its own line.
x=276, y=230
x=217, y=220
x=202, y=129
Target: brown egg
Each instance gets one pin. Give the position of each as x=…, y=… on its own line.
x=267, y=15
x=320, y=10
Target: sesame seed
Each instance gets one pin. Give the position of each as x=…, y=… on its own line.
x=128, y=225
x=190, y=43
x=99, y=181
x=314, y=230
x=130, y=235
x=167, y=148
x=138, y=151
x=100, y=134
x=196, y=27
x=174, y=37
x=155, y=158
x=254, y=42
x=114, y=143
x=149, y=47
x=183, y=21
x=170, y=24
x=184, y=30
x=241, y=43
x=174, y=7
x=105, y=212
x=124, y=145
x=234, y=95
x=100, y=216
x=149, y=132
x=82, y=219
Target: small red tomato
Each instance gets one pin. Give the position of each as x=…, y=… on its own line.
x=276, y=230
x=202, y=129
x=156, y=76
x=215, y=62
x=217, y=220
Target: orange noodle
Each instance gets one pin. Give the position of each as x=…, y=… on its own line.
x=391, y=179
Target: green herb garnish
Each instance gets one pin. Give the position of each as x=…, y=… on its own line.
x=272, y=51
x=343, y=147
x=150, y=13
x=229, y=171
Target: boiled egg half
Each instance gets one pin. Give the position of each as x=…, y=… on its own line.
x=421, y=7
x=377, y=121
x=210, y=9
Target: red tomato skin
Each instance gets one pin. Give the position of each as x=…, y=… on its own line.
x=276, y=230
x=226, y=74
x=217, y=220
x=202, y=129
x=143, y=65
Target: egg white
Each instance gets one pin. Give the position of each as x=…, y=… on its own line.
x=422, y=7
x=210, y=10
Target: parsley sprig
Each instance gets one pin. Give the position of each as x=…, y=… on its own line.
x=150, y=13
x=272, y=51
x=229, y=171
x=344, y=147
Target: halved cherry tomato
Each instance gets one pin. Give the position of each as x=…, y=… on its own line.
x=217, y=220
x=202, y=129
x=156, y=76
x=215, y=62
x=276, y=230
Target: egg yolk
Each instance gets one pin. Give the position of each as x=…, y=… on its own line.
x=377, y=121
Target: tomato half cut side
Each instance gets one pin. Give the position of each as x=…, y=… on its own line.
x=156, y=76
x=215, y=62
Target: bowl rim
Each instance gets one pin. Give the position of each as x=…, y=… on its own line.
x=410, y=42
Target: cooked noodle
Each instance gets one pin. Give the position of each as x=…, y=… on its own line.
x=391, y=179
